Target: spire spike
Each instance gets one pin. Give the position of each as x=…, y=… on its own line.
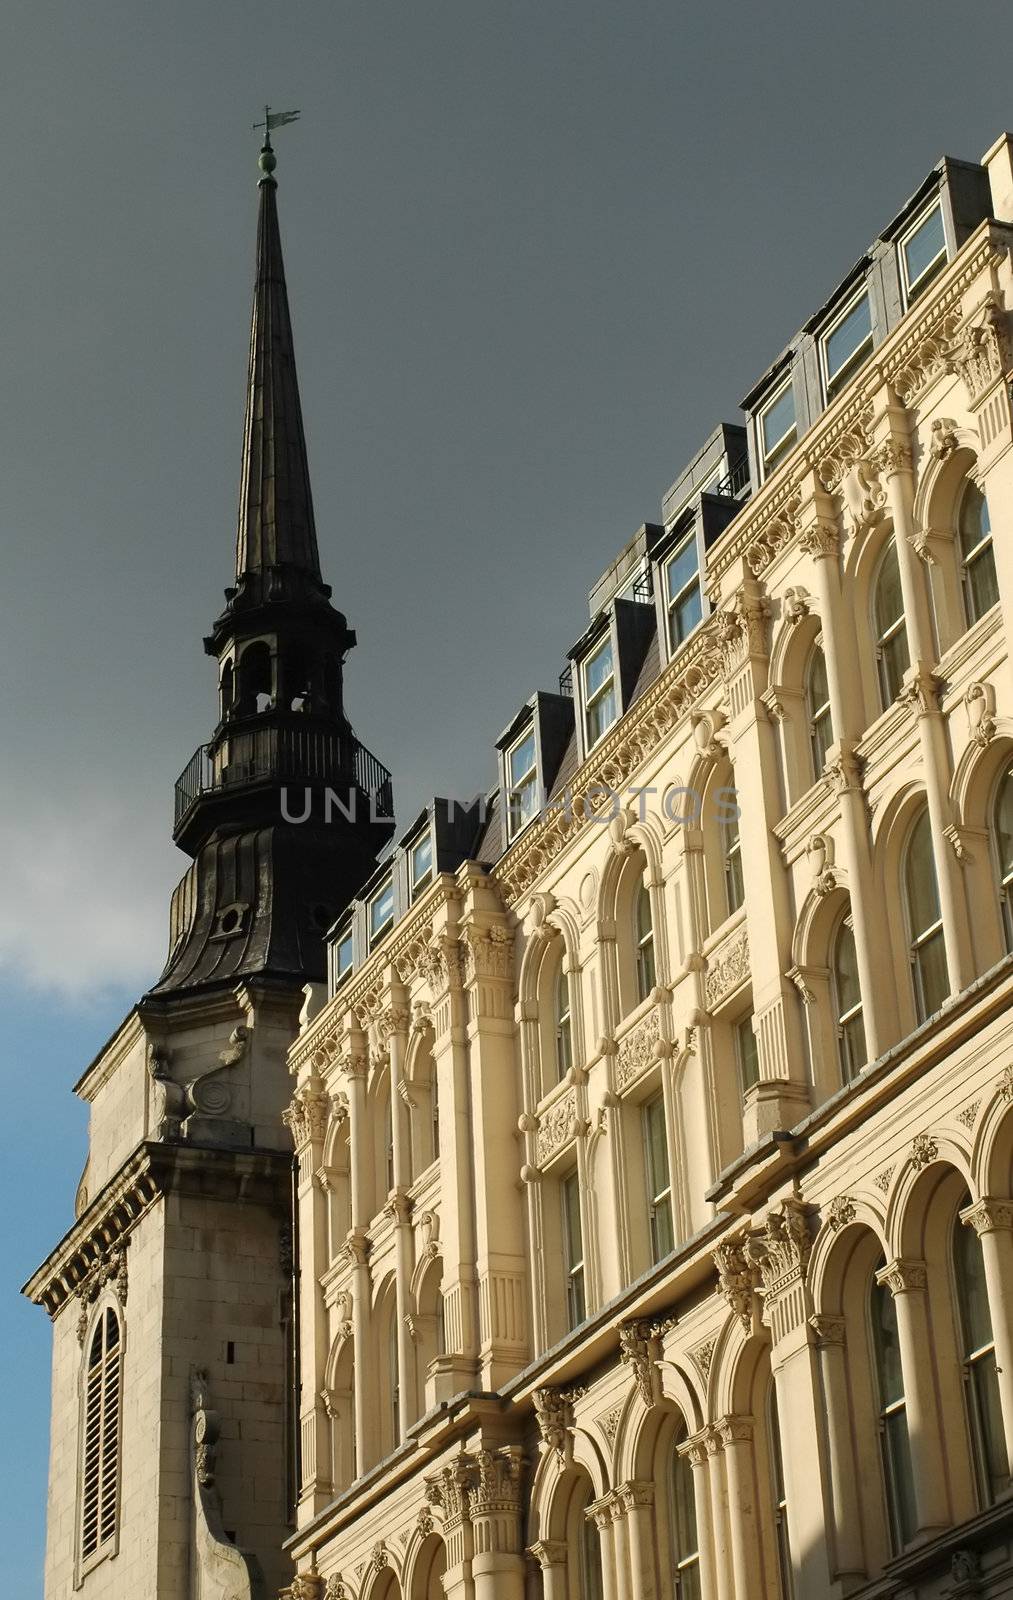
x=276, y=545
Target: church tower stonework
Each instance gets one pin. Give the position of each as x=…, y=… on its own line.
x=173, y=1444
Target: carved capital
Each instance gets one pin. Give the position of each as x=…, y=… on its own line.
x=737, y=1280
x=903, y=1276
x=988, y=1216
x=636, y=1353
x=828, y=1330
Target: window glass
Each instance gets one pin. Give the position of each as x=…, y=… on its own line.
x=564, y=1032
x=1004, y=851
x=981, y=588
x=747, y=1053
x=978, y=1350
x=735, y=892
x=659, y=1183
x=599, y=692
x=850, y=1027
x=784, y=1567
x=894, y=1442
x=777, y=428
x=573, y=1244
x=422, y=863
x=891, y=629
x=928, y=950
x=343, y=957
x=684, y=1530
x=847, y=342
x=591, y=1579
x=682, y=587
x=924, y=251
x=522, y=778
x=821, y=733
x=381, y=911
x=646, y=970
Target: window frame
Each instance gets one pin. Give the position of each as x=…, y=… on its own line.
x=645, y=943
x=609, y=686
x=911, y=290
x=919, y=939
x=516, y=821
x=576, y=1268
x=983, y=551
x=682, y=1487
x=770, y=459
x=732, y=876
x=1003, y=876
x=562, y=1021
x=890, y=1463
x=885, y=636
x=376, y=934
x=974, y=1365
x=659, y=1195
x=673, y=601
x=844, y=1016
x=834, y=382
x=110, y=1360
x=816, y=715
x=341, y=973
x=418, y=882
x=742, y=1028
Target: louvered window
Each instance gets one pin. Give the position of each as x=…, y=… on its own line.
x=100, y=1485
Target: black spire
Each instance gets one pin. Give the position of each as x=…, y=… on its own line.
x=283, y=810
x=276, y=543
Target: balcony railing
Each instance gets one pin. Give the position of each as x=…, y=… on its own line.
x=736, y=480
x=301, y=755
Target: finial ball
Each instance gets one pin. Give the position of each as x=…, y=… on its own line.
x=268, y=160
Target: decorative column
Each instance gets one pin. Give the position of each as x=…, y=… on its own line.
x=494, y=1506
x=819, y=539
x=695, y=1451
x=394, y=1025
x=780, y=1252
x=892, y=459
x=722, y=1576
x=355, y=1249
x=600, y=1513
x=551, y=1557
x=848, y=1564
x=992, y=1221
x=638, y=1506
x=780, y=1098
x=736, y=1435
x=307, y=1118
x=448, y=1488
x=907, y=1281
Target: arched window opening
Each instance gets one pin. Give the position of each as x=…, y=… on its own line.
x=895, y=1445
x=1003, y=836
x=977, y=556
x=255, y=678
x=573, y=1246
x=891, y=629
x=747, y=1054
x=927, y=948
x=646, y=967
x=388, y=1142
x=395, y=1380
x=731, y=857
x=685, y=1538
x=101, y=1457
x=564, y=1025
x=434, y=1110
x=780, y=1497
x=659, y=1181
x=817, y=700
x=848, y=1003
x=228, y=688
x=981, y=1382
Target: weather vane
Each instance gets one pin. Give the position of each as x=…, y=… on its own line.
x=272, y=119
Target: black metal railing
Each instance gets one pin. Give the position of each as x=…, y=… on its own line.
x=643, y=587
x=736, y=479
x=566, y=681
x=306, y=755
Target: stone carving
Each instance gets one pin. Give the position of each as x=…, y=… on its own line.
x=305, y=1586
x=727, y=967
x=965, y=1567
x=981, y=354
x=923, y=1150
x=921, y=689
x=639, y=1050
x=554, y=1414
x=307, y=1114
x=169, y=1097
x=979, y=706
x=863, y=495
x=774, y=533
x=635, y=1352
x=1004, y=1084
x=930, y=354
x=943, y=438
x=820, y=850
x=488, y=952
x=782, y=1247
x=109, y=1271
x=797, y=603
x=828, y=1330
x=556, y=1127
x=336, y=1588
x=903, y=1276
x=222, y=1568
x=882, y=1179
x=988, y=1216
x=703, y=1355
x=819, y=540
x=736, y=1280
x=609, y=1424
x=840, y=1212
x=969, y=1113
x=846, y=447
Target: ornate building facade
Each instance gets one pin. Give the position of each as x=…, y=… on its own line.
x=651, y=1224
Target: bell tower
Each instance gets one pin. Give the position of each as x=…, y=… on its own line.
x=173, y=1451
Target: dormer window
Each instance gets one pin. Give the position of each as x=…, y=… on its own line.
x=343, y=957
x=922, y=251
x=381, y=912
x=777, y=428
x=600, y=706
x=846, y=343
x=522, y=783
x=682, y=592
x=420, y=864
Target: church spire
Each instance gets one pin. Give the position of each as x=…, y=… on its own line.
x=276, y=544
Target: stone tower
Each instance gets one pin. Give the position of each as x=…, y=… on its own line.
x=173, y=1447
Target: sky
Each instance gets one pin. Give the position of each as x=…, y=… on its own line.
x=535, y=252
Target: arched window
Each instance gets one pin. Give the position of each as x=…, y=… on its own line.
x=395, y=1378
x=731, y=857
x=388, y=1142
x=895, y=1445
x=101, y=1455
x=977, y=1348
x=659, y=1180
x=927, y=948
x=685, y=1539
x=779, y=1496
x=977, y=557
x=891, y=628
x=817, y=702
x=255, y=678
x=564, y=1029
x=1003, y=834
x=848, y=1003
x=592, y=1583
x=646, y=971
x=434, y=1109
